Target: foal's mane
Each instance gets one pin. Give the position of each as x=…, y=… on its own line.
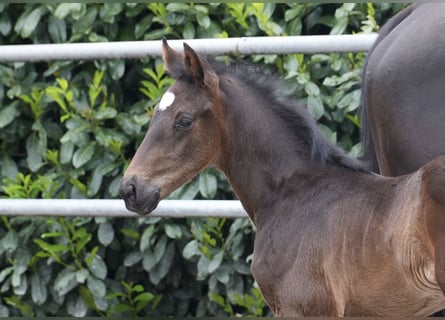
x=290, y=112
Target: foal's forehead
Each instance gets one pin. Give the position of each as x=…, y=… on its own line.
x=170, y=96
x=167, y=100
x=183, y=92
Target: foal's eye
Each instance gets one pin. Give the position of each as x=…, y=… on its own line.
x=184, y=123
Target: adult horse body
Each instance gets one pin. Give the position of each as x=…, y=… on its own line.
x=331, y=238
x=403, y=101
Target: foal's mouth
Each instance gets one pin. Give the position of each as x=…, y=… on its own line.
x=143, y=207
x=142, y=198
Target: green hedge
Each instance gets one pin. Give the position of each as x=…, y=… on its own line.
x=68, y=129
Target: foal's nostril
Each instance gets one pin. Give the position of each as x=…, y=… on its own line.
x=131, y=191
x=127, y=190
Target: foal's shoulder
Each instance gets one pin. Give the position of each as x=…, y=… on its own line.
x=433, y=178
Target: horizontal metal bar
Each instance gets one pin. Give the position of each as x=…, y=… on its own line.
x=116, y=208
x=219, y=46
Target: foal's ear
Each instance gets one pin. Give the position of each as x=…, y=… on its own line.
x=172, y=59
x=199, y=69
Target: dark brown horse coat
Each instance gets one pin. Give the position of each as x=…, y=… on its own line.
x=403, y=101
x=331, y=238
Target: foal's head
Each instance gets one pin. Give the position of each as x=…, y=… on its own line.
x=185, y=133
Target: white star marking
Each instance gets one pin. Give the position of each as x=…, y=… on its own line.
x=166, y=101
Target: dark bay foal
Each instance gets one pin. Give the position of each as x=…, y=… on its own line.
x=331, y=238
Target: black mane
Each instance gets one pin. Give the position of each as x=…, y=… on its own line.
x=292, y=113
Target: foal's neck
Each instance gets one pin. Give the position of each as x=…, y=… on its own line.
x=262, y=155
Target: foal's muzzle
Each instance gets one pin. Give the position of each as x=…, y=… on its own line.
x=139, y=195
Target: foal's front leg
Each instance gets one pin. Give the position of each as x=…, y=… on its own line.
x=307, y=297
x=433, y=188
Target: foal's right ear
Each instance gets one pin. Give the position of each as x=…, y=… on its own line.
x=172, y=60
x=201, y=71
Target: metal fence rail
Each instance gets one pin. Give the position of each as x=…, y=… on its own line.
x=141, y=49
x=116, y=208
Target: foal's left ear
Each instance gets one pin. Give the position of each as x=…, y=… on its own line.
x=199, y=68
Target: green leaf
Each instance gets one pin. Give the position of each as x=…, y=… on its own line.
x=82, y=275
x=172, y=7
x=5, y=23
x=311, y=89
x=22, y=259
x=188, y=32
x=130, y=233
x=208, y=184
x=76, y=307
x=98, y=267
x=119, y=308
x=53, y=249
x=148, y=261
x=78, y=185
x=6, y=272
x=65, y=9
x=291, y=66
x=216, y=261
x=57, y=30
x=63, y=84
x=39, y=292
x=340, y=26
x=132, y=258
x=27, y=24
x=191, y=249
x=4, y=311
x=96, y=287
x=84, y=154
x=34, y=157
x=328, y=133
x=203, y=20
x=105, y=233
x=9, y=242
x=117, y=69
x=65, y=282
x=142, y=300
x=242, y=267
x=66, y=152
x=173, y=231
x=152, y=258
x=163, y=267
x=350, y=101
x=107, y=113
x=222, y=275
x=138, y=288
x=315, y=106
x=16, y=302
x=146, y=237
x=8, y=114
x=108, y=11
x=203, y=268
x=142, y=26
x=84, y=25
x=95, y=182
x=293, y=12
x=144, y=297
x=159, y=250
x=8, y=167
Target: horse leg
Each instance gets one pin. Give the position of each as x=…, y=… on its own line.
x=433, y=179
